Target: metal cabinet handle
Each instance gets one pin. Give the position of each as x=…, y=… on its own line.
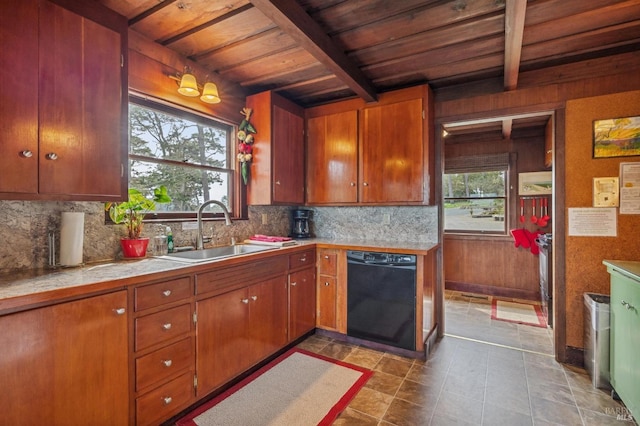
x=627, y=305
x=167, y=326
x=277, y=182
x=120, y=311
x=303, y=259
x=167, y=362
x=352, y=184
x=245, y=301
x=254, y=298
x=51, y=156
x=167, y=400
x=26, y=153
x=166, y=293
x=293, y=284
x=326, y=256
x=365, y=183
x=326, y=284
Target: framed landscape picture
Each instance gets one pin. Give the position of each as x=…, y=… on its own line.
x=616, y=137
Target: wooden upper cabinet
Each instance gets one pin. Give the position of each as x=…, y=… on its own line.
x=19, y=97
x=378, y=153
x=277, y=170
x=392, y=153
x=332, y=158
x=65, y=116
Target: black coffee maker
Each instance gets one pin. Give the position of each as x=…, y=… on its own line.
x=300, y=228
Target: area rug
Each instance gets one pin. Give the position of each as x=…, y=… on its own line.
x=518, y=312
x=298, y=388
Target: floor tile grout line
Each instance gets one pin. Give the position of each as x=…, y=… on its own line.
x=498, y=345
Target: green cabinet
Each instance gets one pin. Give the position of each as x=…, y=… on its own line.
x=625, y=331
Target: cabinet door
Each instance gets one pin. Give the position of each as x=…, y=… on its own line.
x=19, y=96
x=625, y=340
x=332, y=158
x=268, y=318
x=66, y=364
x=80, y=106
x=221, y=339
x=326, y=302
x=288, y=157
x=302, y=303
x=393, y=153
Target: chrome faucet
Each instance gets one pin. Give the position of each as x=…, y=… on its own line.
x=227, y=220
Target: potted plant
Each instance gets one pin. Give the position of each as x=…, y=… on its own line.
x=131, y=213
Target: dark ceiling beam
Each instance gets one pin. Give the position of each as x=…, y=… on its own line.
x=515, y=11
x=150, y=12
x=295, y=21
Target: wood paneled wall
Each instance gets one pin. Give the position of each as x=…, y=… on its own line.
x=150, y=66
x=490, y=266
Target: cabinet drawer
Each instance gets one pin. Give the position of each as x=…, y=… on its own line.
x=160, y=404
x=327, y=262
x=301, y=260
x=163, y=363
x=161, y=326
x=162, y=293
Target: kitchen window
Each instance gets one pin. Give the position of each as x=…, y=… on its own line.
x=191, y=154
x=475, y=196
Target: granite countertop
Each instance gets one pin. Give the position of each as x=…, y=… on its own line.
x=41, y=285
x=629, y=268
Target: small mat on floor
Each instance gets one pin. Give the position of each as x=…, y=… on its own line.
x=298, y=388
x=518, y=312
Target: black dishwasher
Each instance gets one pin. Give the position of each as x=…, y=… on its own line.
x=381, y=298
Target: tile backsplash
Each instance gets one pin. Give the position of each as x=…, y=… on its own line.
x=27, y=224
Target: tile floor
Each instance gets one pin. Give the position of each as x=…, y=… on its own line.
x=483, y=372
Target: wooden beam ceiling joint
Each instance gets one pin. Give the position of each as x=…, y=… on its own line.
x=294, y=20
x=515, y=12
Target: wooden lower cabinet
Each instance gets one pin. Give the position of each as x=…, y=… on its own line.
x=237, y=329
x=164, y=350
x=302, y=302
x=66, y=364
x=327, y=289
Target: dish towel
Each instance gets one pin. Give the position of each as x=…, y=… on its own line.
x=269, y=238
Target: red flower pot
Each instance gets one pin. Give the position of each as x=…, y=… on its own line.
x=134, y=248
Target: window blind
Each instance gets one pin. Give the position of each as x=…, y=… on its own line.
x=476, y=163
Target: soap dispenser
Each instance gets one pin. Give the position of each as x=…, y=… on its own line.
x=169, y=235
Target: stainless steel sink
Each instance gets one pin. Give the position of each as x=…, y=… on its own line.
x=215, y=253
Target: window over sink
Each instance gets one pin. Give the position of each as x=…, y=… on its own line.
x=191, y=154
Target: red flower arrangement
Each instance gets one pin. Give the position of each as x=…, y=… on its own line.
x=245, y=146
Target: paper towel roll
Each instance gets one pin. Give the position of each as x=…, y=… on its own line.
x=71, y=238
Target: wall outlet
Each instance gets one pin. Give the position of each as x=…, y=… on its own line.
x=386, y=219
x=264, y=219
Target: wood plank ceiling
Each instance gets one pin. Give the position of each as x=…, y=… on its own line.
x=318, y=51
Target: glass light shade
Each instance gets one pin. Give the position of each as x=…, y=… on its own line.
x=210, y=94
x=188, y=86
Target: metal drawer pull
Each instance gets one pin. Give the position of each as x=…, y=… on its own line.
x=326, y=256
x=51, y=156
x=167, y=293
x=167, y=362
x=254, y=298
x=327, y=284
x=303, y=259
x=120, y=311
x=245, y=301
x=167, y=326
x=167, y=400
x=26, y=153
x=294, y=283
